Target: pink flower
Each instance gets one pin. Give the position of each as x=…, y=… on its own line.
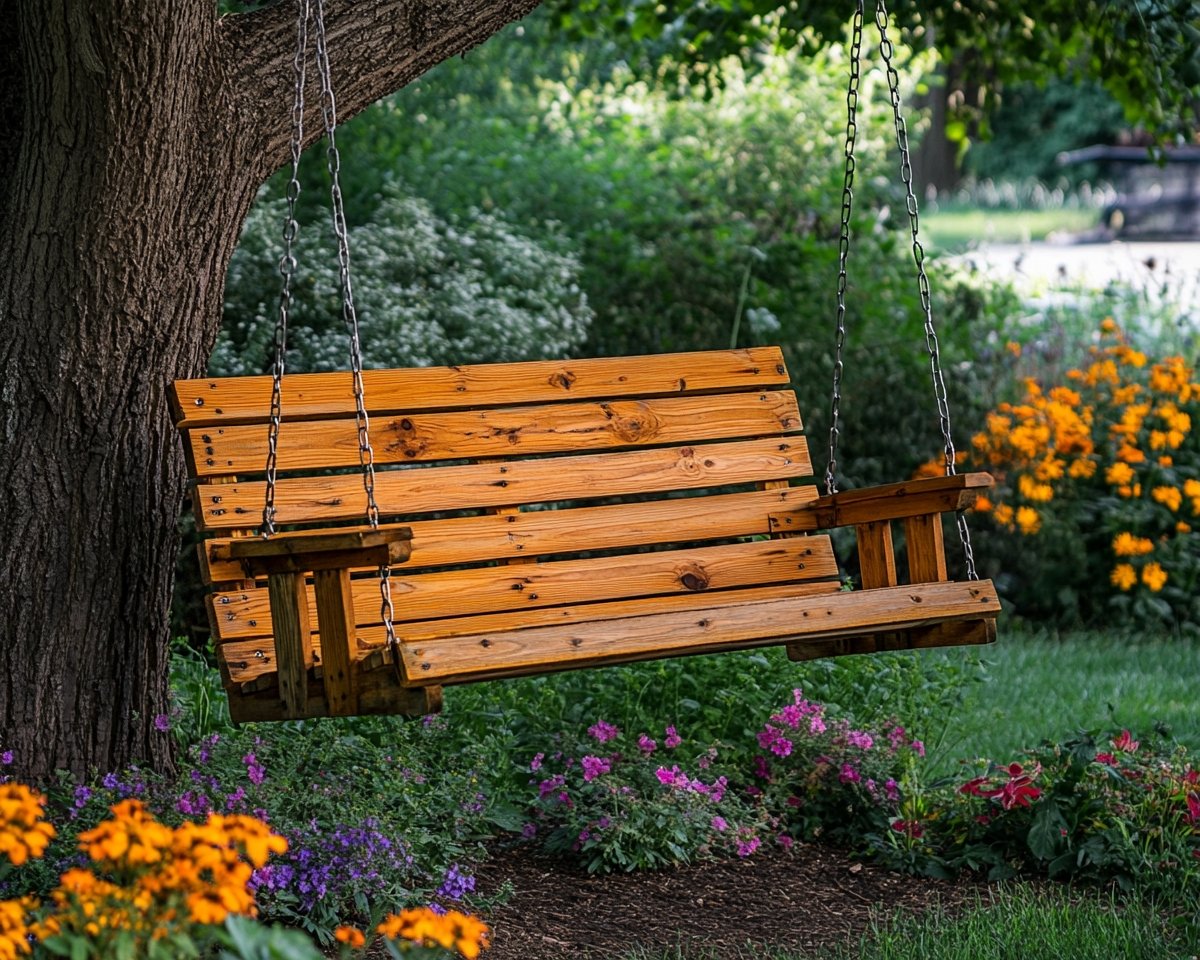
x=747, y=847
x=1107, y=758
x=672, y=739
x=784, y=841
x=594, y=767
x=672, y=777
x=918, y=746
x=974, y=787
x=603, y=731
x=646, y=745
x=536, y=762
x=761, y=769
x=860, y=739
x=719, y=824
x=1193, y=812
x=1125, y=743
x=816, y=725
x=896, y=737
x=892, y=789
x=849, y=774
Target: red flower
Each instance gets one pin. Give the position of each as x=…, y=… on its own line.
x=1193, y=803
x=1106, y=758
x=910, y=828
x=974, y=787
x=1125, y=742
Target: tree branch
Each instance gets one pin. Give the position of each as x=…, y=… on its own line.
x=375, y=48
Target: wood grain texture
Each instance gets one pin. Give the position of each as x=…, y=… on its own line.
x=520, y=534
x=876, y=558
x=424, y=490
x=288, y=601
x=950, y=633
x=335, y=623
x=505, y=432
x=246, y=613
x=245, y=661
x=538, y=649
x=309, y=396
x=379, y=694
x=892, y=501
x=926, y=549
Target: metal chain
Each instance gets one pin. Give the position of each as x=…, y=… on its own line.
x=887, y=51
x=287, y=265
x=366, y=454
x=844, y=247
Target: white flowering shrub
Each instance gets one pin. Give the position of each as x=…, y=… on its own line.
x=428, y=292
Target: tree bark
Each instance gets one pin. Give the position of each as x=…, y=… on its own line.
x=134, y=139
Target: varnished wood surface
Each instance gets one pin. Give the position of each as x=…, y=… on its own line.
x=308, y=396
x=537, y=649
x=503, y=432
x=425, y=490
x=247, y=660
x=246, y=613
x=533, y=533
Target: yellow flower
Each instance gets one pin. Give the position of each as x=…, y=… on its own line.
x=982, y=504
x=1003, y=514
x=1119, y=474
x=1165, y=461
x=351, y=936
x=1154, y=576
x=1108, y=325
x=23, y=832
x=1130, y=454
x=1131, y=492
x=1083, y=469
x=1169, y=497
x=1182, y=527
x=1123, y=576
x=1033, y=491
x=1013, y=348
x=1028, y=520
x=1127, y=545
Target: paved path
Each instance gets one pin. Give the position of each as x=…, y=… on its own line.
x=1145, y=265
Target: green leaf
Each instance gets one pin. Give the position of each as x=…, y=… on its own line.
x=1045, y=836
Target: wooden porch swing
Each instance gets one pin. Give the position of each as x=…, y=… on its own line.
x=542, y=516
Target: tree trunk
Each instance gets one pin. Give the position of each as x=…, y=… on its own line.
x=132, y=150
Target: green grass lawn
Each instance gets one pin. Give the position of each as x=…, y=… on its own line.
x=955, y=230
x=1043, y=685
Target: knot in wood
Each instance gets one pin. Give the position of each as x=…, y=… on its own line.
x=694, y=577
x=564, y=379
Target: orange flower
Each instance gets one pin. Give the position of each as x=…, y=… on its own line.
x=1119, y=474
x=1123, y=576
x=1127, y=545
x=351, y=936
x=1169, y=497
x=982, y=504
x=1028, y=520
x=23, y=832
x=1154, y=576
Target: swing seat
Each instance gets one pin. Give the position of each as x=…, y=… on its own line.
x=544, y=516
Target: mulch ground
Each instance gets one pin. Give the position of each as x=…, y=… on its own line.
x=800, y=900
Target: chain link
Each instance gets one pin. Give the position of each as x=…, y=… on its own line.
x=366, y=454
x=287, y=265
x=887, y=51
x=844, y=247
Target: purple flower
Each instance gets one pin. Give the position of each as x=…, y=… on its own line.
x=82, y=796
x=547, y=787
x=646, y=745
x=110, y=781
x=762, y=769
x=816, y=725
x=457, y=884
x=594, y=767
x=536, y=762
x=603, y=823
x=716, y=792
x=896, y=737
x=672, y=739
x=529, y=831
x=747, y=847
x=784, y=841
x=849, y=774
x=892, y=789
x=162, y=723
x=771, y=739
x=919, y=747
x=6, y=758
x=719, y=824
x=603, y=731
x=254, y=770
x=235, y=799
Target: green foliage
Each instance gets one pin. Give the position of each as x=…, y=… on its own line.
x=1034, y=923
x=1146, y=54
x=428, y=291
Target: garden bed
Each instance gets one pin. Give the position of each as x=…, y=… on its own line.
x=802, y=899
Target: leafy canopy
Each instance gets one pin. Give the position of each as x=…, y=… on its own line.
x=1145, y=52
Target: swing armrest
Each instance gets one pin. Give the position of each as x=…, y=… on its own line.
x=310, y=552
x=889, y=501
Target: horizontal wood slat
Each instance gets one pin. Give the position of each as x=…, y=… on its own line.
x=505, y=432
x=539, y=649
x=424, y=490
x=247, y=660
x=246, y=613
x=309, y=396
x=538, y=532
